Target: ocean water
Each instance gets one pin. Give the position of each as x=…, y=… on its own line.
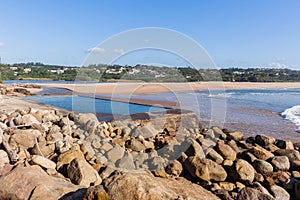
x=273, y=112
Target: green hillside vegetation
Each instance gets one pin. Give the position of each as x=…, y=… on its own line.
x=145, y=73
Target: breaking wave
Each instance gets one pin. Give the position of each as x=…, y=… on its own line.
x=293, y=114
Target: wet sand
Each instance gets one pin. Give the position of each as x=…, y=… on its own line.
x=146, y=88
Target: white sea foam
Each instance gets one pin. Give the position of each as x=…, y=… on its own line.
x=292, y=114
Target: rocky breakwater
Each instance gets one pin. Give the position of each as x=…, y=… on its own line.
x=45, y=154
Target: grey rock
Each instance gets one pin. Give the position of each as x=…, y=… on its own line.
x=115, y=154
x=281, y=163
x=126, y=162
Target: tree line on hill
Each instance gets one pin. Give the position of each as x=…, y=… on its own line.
x=103, y=72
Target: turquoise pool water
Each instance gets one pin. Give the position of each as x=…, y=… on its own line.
x=87, y=104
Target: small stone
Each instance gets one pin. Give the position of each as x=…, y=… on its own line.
x=215, y=156
x=43, y=149
x=261, y=188
x=248, y=193
x=295, y=165
x=24, y=138
x=135, y=145
x=228, y=163
x=240, y=185
x=279, y=193
x=208, y=143
x=245, y=145
x=42, y=161
x=195, y=149
x=29, y=119
x=209, y=134
x=87, y=150
x=126, y=162
x=249, y=157
x=226, y=151
x=243, y=171
x=264, y=140
x=284, y=144
x=233, y=145
x=106, y=146
x=95, y=192
x=227, y=186
x=262, y=166
x=83, y=118
x=237, y=136
x=219, y=133
x=68, y=156
x=271, y=147
x=215, y=187
x=258, y=177
x=262, y=153
x=146, y=131
x=290, y=153
x=174, y=168
x=148, y=144
x=281, y=163
x=107, y=172
x=296, y=174
x=115, y=154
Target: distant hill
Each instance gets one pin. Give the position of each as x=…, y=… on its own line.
x=146, y=73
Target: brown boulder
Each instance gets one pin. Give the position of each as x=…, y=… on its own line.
x=142, y=186
x=68, y=156
x=82, y=173
x=251, y=194
x=33, y=183
x=205, y=169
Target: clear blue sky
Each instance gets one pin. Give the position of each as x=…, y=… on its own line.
x=245, y=33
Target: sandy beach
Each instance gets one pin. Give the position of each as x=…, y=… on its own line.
x=146, y=88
